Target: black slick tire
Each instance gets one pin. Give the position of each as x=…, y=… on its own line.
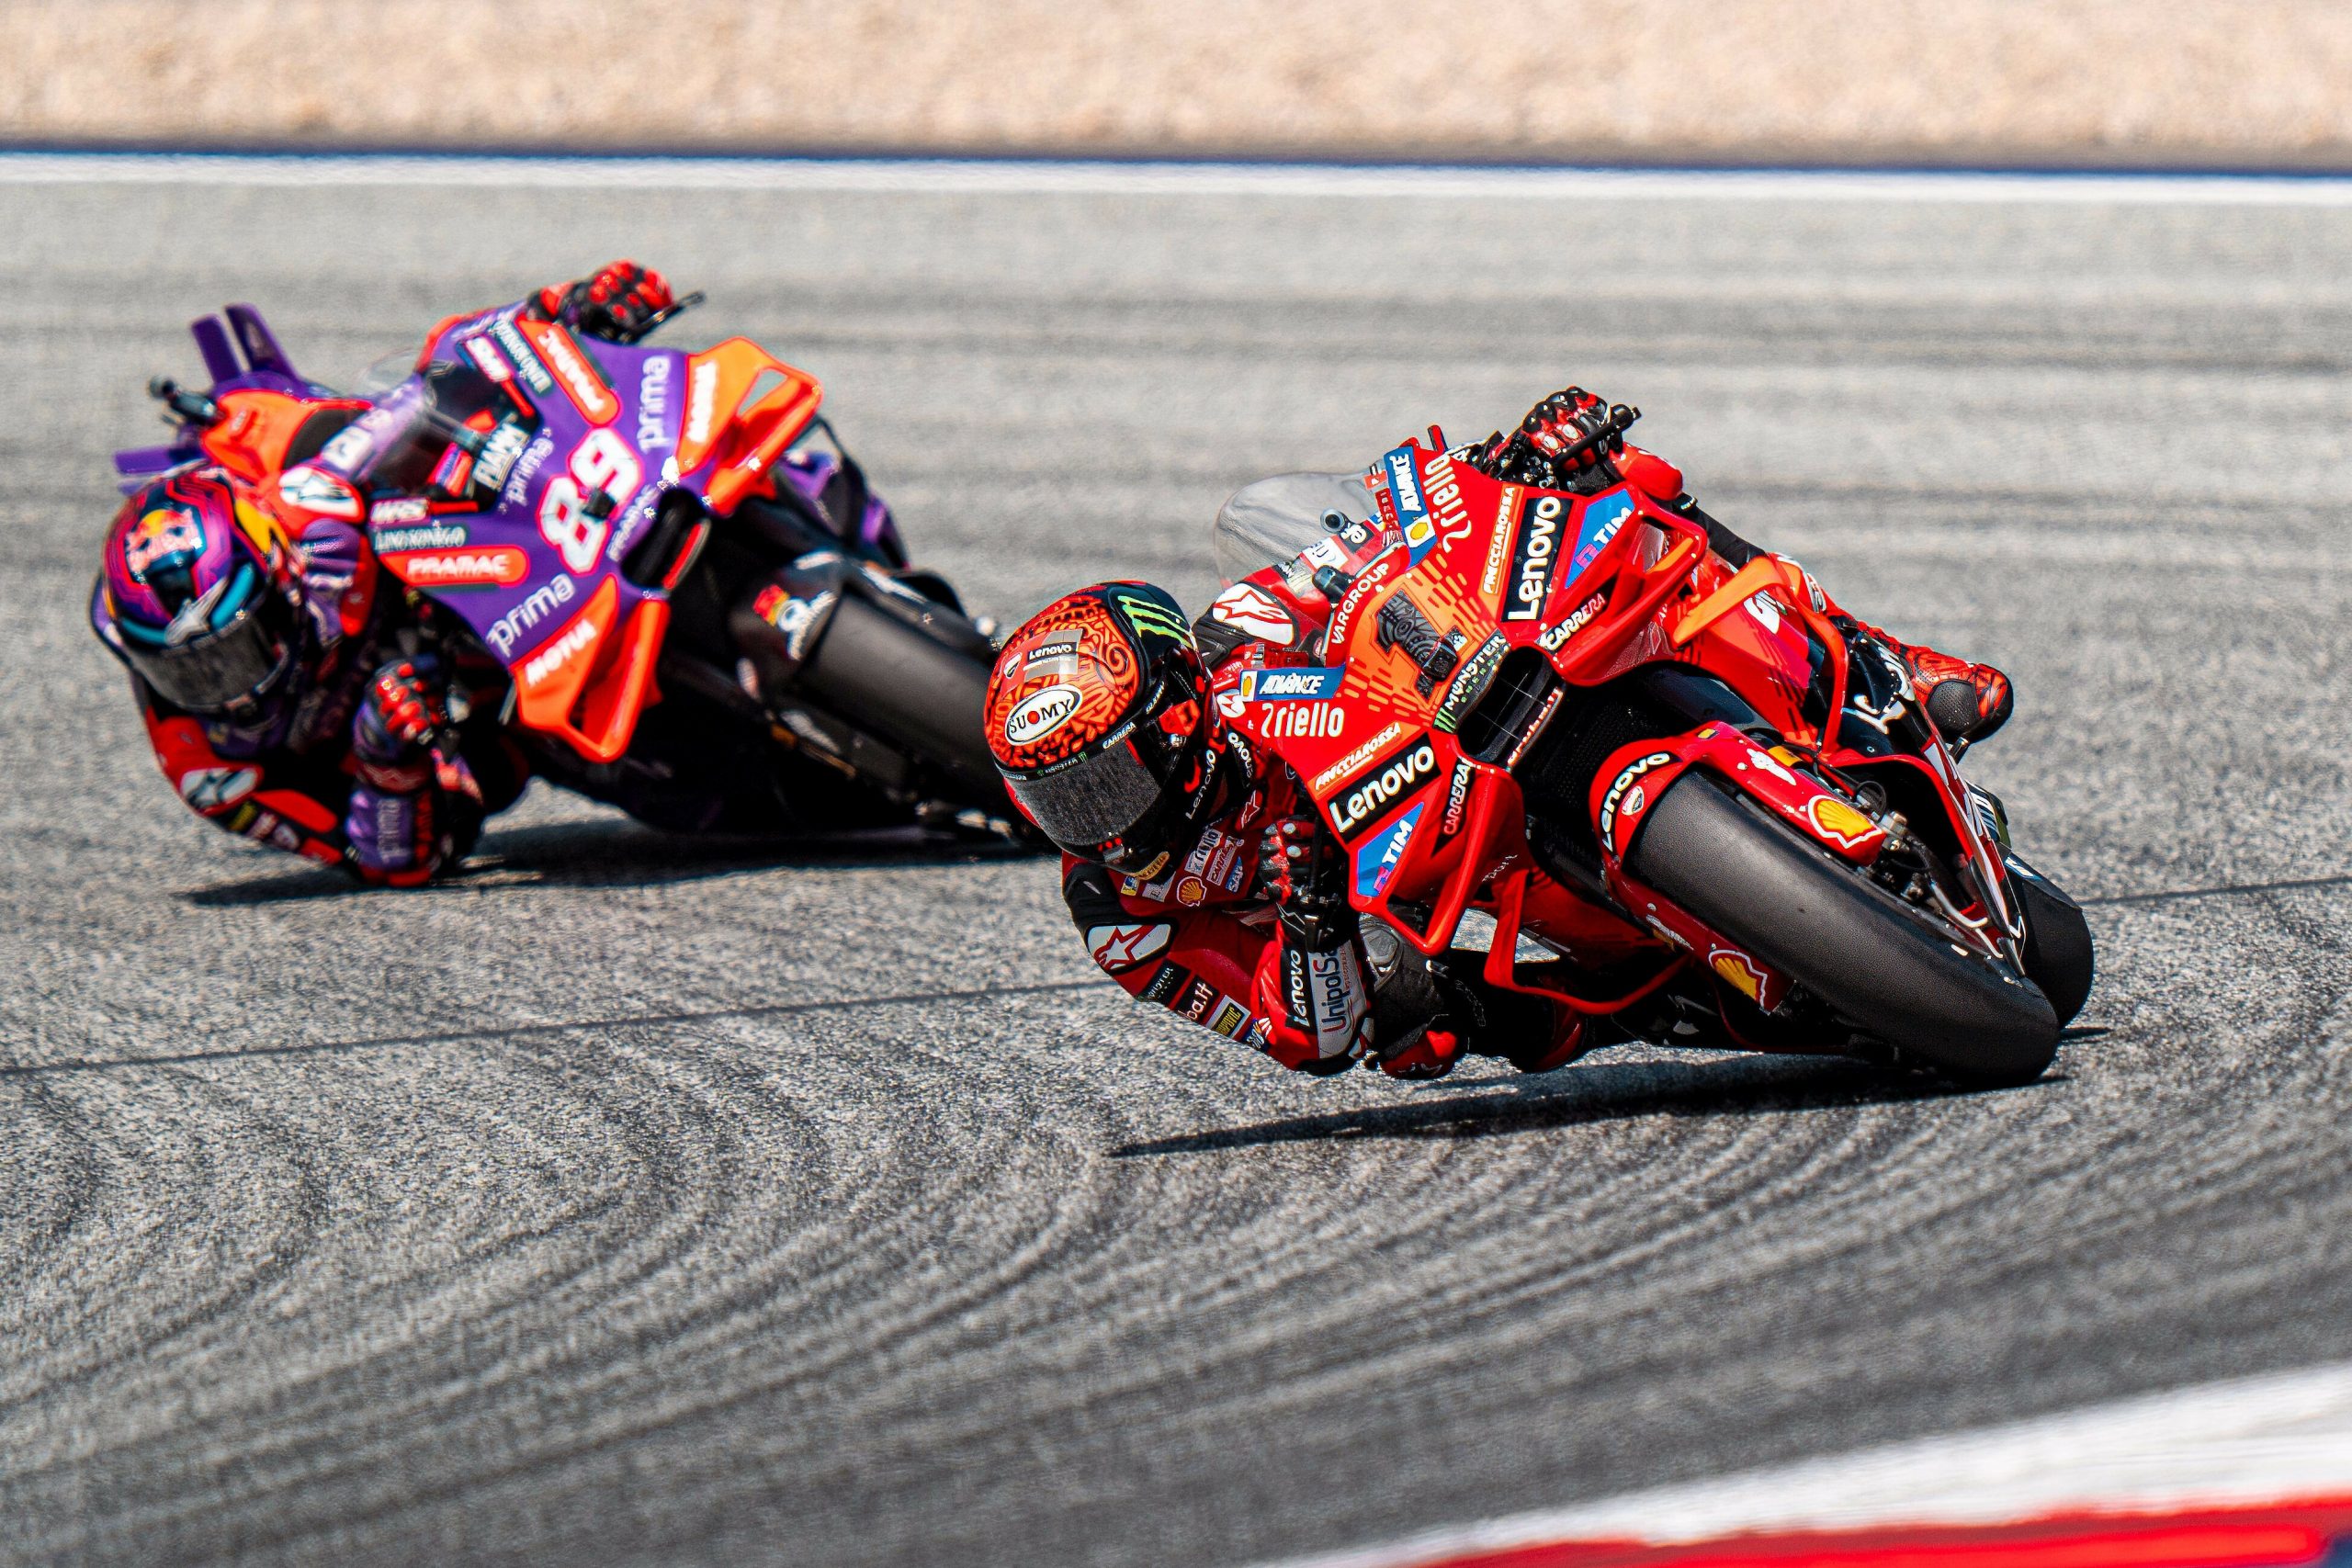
x=1887, y=968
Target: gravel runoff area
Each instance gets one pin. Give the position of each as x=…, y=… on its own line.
x=640, y=1200
x=2099, y=80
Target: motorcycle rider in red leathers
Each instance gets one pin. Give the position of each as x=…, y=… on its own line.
x=1196, y=870
x=263, y=644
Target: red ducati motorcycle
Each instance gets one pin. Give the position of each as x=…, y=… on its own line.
x=1734, y=824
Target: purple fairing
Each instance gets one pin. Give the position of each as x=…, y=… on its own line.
x=264, y=366
x=876, y=532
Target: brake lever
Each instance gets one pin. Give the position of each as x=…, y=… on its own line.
x=678, y=307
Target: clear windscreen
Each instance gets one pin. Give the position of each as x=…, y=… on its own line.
x=1269, y=521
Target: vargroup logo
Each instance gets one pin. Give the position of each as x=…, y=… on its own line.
x=1390, y=782
x=1535, y=558
x=1040, y=714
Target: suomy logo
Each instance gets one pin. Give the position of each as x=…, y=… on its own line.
x=1040, y=714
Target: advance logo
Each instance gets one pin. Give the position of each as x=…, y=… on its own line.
x=1312, y=684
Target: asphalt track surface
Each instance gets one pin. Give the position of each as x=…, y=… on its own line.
x=632, y=1200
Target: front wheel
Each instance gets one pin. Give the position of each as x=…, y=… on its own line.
x=1885, y=966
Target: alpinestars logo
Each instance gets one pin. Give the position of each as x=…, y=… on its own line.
x=1119, y=947
x=1534, y=557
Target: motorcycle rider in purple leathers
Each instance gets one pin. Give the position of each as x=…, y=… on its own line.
x=293, y=692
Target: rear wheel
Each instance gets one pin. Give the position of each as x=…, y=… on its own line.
x=1891, y=969
x=920, y=688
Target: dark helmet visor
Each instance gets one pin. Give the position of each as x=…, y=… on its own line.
x=245, y=651
x=1092, y=801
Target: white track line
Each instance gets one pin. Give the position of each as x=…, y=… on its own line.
x=2265, y=1439
x=1013, y=176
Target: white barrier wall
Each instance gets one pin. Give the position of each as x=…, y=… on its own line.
x=2106, y=80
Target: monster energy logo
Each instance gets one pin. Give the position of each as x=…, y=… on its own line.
x=1153, y=618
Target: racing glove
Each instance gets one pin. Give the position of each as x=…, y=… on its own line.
x=1555, y=445
x=1314, y=983
x=391, y=819
x=618, y=303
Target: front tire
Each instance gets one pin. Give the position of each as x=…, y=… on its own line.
x=1883, y=965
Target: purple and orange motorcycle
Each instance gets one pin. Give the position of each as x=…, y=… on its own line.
x=679, y=602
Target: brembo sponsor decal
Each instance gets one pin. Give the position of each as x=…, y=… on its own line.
x=1385, y=784
x=1355, y=760
x=1534, y=557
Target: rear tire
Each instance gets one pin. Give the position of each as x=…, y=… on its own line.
x=1885, y=967
x=889, y=676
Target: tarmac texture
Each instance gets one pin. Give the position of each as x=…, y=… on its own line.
x=634, y=1199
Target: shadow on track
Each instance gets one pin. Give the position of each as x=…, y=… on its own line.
x=621, y=853
x=1730, y=1085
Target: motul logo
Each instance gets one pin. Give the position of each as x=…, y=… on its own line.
x=548, y=660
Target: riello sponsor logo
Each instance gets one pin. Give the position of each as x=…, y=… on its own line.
x=1393, y=782
x=1451, y=517
x=581, y=634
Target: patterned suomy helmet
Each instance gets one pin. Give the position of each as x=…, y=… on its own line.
x=199, y=602
x=1097, y=718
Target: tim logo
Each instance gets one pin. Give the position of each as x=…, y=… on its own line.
x=1535, y=558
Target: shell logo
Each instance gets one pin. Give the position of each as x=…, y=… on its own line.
x=1738, y=971
x=1836, y=821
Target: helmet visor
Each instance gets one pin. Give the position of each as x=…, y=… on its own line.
x=242, y=657
x=1093, y=801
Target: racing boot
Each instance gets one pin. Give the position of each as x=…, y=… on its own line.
x=1965, y=702
x=1531, y=1033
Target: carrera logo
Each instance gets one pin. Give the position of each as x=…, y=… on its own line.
x=1389, y=781
x=1355, y=760
x=1041, y=714
x=1556, y=636
x=502, y=567
x=1534, y=557
x=1625, y=795
x=1457, y=799
x=544, y=664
